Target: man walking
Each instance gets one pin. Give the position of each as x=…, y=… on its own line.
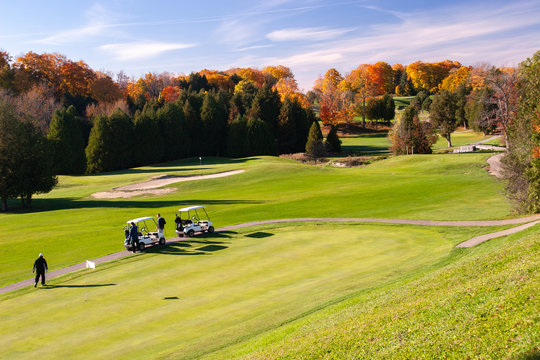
x=134, y=236
x=40, y=266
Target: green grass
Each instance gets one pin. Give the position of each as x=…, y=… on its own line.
x=403, y=101
x=201, y=296
x=460, y=139
x=366, y=144
x=482, y=303
x=70, y=227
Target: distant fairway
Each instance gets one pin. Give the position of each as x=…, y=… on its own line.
x=196, y=297
x=69, y=227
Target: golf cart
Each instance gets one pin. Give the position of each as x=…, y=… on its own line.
x=145, y=236
x=191, y=220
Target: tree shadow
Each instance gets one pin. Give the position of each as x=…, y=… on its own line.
x=531, y=355
x=76, y=286
x=43, y=205
x=171, y=298
x=259, y=235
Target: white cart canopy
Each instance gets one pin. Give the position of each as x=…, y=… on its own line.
x=189, y=208
x=140, y=219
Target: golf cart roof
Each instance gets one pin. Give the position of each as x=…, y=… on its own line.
x=191, y=208
x=140, y=219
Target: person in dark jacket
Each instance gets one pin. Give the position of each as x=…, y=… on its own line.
x=134, y=236
x=40, y=266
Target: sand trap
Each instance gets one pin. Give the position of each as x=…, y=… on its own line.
x=150, y=187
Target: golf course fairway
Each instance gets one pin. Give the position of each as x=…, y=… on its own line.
x=191, y=298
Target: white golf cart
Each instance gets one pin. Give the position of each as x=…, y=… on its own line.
x=192, y=220
x=146, y=237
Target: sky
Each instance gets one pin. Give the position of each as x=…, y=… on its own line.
x=308, y=36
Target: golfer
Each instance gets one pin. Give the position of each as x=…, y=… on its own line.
x=160, y=225
x=40, y=266
x=134, y=236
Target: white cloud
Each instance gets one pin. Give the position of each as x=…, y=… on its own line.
x=306, y=34
x=141, y=50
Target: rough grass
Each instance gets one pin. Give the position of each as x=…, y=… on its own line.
x=482, y=305
x=460, y=139
x=197, y=297
x=69, y=227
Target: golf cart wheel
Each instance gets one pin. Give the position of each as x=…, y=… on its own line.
x=162, y=241
x=211, y=229
x=190, y=233
x=141, y=246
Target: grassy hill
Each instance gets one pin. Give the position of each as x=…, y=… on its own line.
x=201, y=296
x=482, y=303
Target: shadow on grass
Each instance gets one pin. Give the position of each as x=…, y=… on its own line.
x=173, y=249
x=42, y=205
x=76, y=286
x=171, y=298
x=212, y=248
x=259, y=235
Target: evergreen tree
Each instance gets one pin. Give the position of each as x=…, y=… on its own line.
x=214, y=124
x=171, y=121
x=314, y=145
x=259, y=140
x=293, y=127
x=148, y=142
x=333, y=143
x=461, y=94
x=26, y=159
x=68, y=140
x=97, y=150
x=389, y=108
x=192, y=127
x=237, y=137
x=120, y=145
x=266, y=106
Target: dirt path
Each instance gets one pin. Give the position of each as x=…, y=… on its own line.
x=527, y=222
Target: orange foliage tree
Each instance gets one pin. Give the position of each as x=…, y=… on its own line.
x=382, y=77
x=170, y=94
x=456, y=78
x=428, y=76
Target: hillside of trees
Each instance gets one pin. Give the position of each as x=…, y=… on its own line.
x=89, y=121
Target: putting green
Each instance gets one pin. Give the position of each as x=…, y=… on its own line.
x=199, y=296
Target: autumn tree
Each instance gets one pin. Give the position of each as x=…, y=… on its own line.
x=410, y=136
x=443, y=114
x=428, y=76
x=360, y=83
x=382, y=77
x=456, y=78
x=503, y=83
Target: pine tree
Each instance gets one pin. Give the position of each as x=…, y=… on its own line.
x=333, y=144
x=147, y=138
x=259, y=140
x=171, y=122
x=314, y=145
x=214, y=124
x=68, y=140
x=237, y=137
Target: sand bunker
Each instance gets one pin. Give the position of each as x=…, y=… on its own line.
x=150, y=187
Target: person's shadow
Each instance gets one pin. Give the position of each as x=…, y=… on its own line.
x=76, y=286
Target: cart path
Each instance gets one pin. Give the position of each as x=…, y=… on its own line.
x=527, y=222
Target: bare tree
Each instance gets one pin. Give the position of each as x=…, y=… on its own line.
x=504, y=96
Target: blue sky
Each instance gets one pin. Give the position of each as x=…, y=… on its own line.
x=309, y=36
